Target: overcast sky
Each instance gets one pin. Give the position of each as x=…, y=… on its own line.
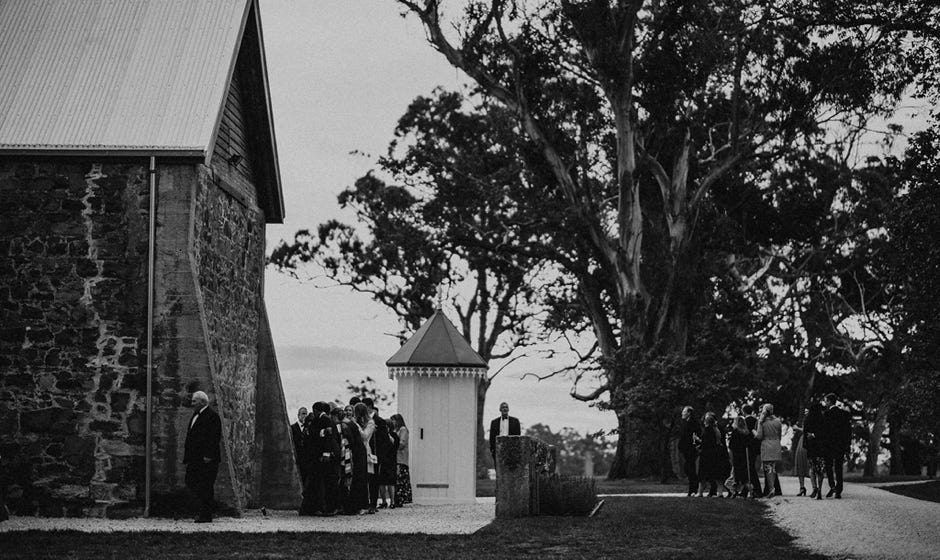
x=341, y=72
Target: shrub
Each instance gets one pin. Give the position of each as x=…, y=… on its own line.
x=567, y=495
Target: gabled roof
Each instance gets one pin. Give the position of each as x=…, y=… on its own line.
x=436, y=343
x=124, y=77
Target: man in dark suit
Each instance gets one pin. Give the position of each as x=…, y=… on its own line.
x=503, y=425
x=202, y=454
x=321, y=453
x=297, y=438
x=837, y=438
x=689, y=431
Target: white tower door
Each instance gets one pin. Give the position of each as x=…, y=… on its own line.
x=431, y=452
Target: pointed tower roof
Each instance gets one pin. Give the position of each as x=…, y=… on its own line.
x=436, y=344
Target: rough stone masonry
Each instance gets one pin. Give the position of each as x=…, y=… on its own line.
x=73, y=281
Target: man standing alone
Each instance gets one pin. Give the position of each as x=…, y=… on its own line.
x=297, y=437
x=689, y=431
x=202, y=454
x=837, y=439
x=503, y=425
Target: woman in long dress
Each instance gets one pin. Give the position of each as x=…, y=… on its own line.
x=812, y=433
x=800, y=459
x=739, y=441
x=362, y=467
x=403, y=485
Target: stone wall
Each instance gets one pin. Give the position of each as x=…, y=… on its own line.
x=73, y=281
x=228, y=257
x=73, y=245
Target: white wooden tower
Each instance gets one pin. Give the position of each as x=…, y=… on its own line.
x=437, y=373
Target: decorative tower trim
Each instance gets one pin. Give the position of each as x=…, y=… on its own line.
x=397, y=372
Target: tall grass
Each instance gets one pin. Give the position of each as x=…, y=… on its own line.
x=567, y=495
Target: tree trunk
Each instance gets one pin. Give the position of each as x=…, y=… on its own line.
x=895, y=463
x=484, y=460
x=639, y=449
x=874, y=440
x=666, y=471
x=618, y=467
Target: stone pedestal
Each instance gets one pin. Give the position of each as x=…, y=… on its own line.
x=521, y=461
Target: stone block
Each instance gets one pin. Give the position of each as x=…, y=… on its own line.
x=124, y=510
x=69, y=491
x=48, y=420
x=79, y=446
x=9, y=420
x=102, y=491
x=119, y=401
x=116, y=447
x=105, y=427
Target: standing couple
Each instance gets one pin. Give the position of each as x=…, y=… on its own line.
x=821, y=445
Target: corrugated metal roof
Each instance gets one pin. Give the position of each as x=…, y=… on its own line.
x=437, y=343
x=115, y=75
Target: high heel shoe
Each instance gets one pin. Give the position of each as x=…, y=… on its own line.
x=802, y=492
x=815, y=493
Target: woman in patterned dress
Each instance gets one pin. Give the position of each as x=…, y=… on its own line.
x=812, y=434
x=403, y=485
x=800, y=458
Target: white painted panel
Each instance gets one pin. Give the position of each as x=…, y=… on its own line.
x=443, y=411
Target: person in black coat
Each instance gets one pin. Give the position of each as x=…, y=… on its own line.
x=837, y=430
x=689, y=430
x=713, y=458
x=322, y=460
x=297, y=438
x=202, y=454
x=503, y=425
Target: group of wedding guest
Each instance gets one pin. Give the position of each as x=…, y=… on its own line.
x=745, y=460
x=352, y=461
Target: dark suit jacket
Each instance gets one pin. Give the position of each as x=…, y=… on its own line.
x=297, y=437
x=837, y=431
x=324, y=442
x=380, y=441
x=514, y=430
x=204, y=438
x=688, y=428
x=751, y=423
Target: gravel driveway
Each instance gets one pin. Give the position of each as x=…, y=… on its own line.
x=438, y=520
x=866, y=523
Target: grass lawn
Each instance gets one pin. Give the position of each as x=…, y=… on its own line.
x=641, y=528
x=487, y=488
x=929, y=490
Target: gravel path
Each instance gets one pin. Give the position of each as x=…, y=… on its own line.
x=866, y=523
x=437, y=520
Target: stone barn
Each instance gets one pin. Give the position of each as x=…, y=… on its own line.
x=108, y=110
